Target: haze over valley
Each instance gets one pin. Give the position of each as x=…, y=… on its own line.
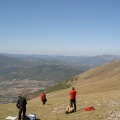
x=26, y=74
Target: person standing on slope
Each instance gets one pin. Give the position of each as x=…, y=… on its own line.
x=21, y=105
x=43, y=98
x=73, y=98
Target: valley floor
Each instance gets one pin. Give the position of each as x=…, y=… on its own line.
x=106, y=104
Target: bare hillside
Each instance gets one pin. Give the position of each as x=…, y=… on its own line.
x=98, y=87
x=100, y=79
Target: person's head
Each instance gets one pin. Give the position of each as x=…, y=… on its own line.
x=73, y=88
x=19, y=97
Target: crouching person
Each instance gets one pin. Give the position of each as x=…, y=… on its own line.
x=21, y=105
x=69, y=110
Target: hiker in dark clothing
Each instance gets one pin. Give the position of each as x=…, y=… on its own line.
x=21, y=105
x=73, y=98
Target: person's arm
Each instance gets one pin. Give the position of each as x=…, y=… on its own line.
x=25, y=102
x=17, y=104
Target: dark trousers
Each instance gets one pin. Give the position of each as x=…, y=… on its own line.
x=73, y=102
x=23, y=113
x=44, y=100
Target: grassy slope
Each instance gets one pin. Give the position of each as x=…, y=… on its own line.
x=99, y=87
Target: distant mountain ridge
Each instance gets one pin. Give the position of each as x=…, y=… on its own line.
x=37, y=69
x=93, y=60
x=20, y=66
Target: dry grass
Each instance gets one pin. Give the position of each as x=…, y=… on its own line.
x=99, y=88
x=106, y=104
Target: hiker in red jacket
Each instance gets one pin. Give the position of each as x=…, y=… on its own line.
x=73, y=98
x=43, y=98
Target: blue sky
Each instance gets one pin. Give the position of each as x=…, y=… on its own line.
x=65, y=27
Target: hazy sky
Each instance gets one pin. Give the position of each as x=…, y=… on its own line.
x=66, y=27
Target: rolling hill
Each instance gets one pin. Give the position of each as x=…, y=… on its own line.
x=98, y=87
x=36, y=69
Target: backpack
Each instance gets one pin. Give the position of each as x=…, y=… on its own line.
x=32, y=116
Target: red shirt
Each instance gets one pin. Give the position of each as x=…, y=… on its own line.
x=72, y=94
x=42, y=96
